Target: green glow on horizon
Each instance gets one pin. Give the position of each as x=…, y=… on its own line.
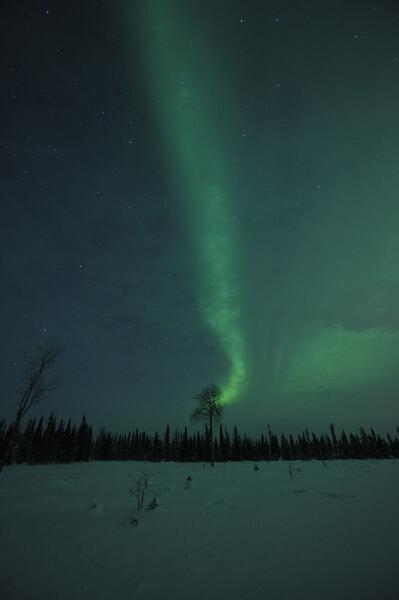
x=183, y=81
x=336, y=359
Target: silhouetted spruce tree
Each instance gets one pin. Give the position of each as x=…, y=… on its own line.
x=191, y=445
x=343, y=446
x=302, y=451
x=244, y=446
x=198, y=448
x=25, y=442
x=183, y=446
x=247, y=448
x=10, y=439
x=293, y=448
x=36, y=454
x=365, y=443
x=68, y=443
x=227, y=444
x=59, y=436
x=128, y=446
x=285, y=448
x=307, y=445
x=382, y=449
x=236, y=445
x=223, y=449
x=49, y=440
x=174, y=446
x=99, y=444
x=334, y=440
x=373, y=442
x=315, y=447
x=147, y=446
x=207, y=444
x=216, y=450
x=134, y=445
x=325, y=447
x=393, y=446
x=2, y=439
x=156, y=448
x=137, y=445
x=116, y=446
x=83, y=441
x=141, y=446
x=274, y=445
x=354, y=446
x=121, y=447
x=264, y=448
x=166, y=444
x=104, y=445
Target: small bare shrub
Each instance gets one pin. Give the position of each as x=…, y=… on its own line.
x=153, y=504
x=139, y=488
x=95, y=508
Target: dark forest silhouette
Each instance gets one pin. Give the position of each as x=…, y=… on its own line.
x=46, y=441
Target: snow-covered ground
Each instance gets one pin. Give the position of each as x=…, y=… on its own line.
x=235, y=533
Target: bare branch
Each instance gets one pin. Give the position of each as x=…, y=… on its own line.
x=36, y=383
x=209, y=410
x=36, y=386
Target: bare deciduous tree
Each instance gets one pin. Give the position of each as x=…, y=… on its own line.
x=35, y=387
x=209, y=410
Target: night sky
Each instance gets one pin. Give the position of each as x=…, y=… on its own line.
x=198, y=191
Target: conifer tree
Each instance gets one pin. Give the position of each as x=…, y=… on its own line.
x=184, y=446
x=236, y=449
x=25, y=442
x=166, y=444
x=83, y=441
x=49, y=440
x=156, y=447
x=36, y=455
x=334, y=440
x=59, y=436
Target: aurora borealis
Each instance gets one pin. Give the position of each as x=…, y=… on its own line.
x=182, y=84
x=204, y=191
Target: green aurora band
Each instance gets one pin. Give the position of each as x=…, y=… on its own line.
x=185, y=84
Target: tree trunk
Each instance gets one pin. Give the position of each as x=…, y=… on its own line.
x=212, y=446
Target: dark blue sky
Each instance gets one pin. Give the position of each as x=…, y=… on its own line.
x=94, y=251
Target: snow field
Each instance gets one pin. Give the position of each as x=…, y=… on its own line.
x=232, y=532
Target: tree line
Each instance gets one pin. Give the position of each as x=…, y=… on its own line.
x=45, y=441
